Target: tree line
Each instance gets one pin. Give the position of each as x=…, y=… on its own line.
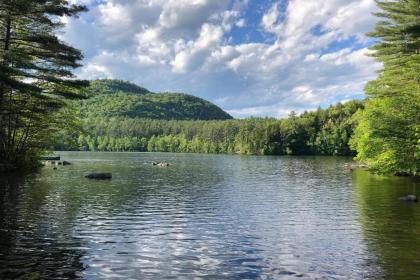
x=320, y=132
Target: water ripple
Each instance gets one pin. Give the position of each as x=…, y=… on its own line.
x=207, y=217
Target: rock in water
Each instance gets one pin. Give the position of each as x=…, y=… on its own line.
x=99, y=176
x=66, y=163
x=160, y=163
x=50, y=158
x=409, y=198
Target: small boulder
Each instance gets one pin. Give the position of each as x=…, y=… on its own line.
x=99, y=176
x=66, y=163
x=409, y=198
x=160, y=163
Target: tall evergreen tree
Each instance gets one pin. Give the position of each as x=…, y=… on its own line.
x=35, y=75
x=387, y=136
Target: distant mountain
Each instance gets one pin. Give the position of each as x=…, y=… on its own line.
x=109, y=98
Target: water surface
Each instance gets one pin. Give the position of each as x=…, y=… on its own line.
x=208, y=217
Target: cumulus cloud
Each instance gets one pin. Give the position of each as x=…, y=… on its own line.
x=194, y=53
x=306, y=53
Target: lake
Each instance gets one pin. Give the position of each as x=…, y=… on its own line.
x=208, y=217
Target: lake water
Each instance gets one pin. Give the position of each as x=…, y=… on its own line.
x=208, y=217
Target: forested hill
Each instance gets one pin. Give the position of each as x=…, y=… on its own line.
x=119, y=116
x=115, y=98
x=320, y=132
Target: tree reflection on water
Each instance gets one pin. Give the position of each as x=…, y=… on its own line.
x=391, y=227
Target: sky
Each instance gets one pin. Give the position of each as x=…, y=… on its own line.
x=250, y=57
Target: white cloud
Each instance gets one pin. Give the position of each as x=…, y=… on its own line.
x=270, y=18
x=194, y=53
x=308, y=57
x=81, y=2
x=114, y=16
x=241, y=23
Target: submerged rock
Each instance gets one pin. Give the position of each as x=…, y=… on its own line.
x=354, y=166
x=66, y=163
x=99, y=176
x=409, y=198
x=50, y=158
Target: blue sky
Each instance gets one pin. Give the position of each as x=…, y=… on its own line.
x=252, y=58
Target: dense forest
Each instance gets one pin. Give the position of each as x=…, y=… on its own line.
x=111, y=98
x=388, y=135
x=321, y=132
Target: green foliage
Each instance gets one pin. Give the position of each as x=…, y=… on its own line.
x=322, y=132
x=35, y=77
x=111, y=98
x=387, y=136
x=108, y=86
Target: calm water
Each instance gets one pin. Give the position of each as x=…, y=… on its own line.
x=208, y=217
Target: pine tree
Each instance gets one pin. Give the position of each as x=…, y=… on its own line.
x=35, y=75
x=386, y=137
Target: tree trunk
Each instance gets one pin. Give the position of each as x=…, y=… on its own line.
x=8, y=33
x=3, y=142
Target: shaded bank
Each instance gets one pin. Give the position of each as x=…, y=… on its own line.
x=390, y=227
